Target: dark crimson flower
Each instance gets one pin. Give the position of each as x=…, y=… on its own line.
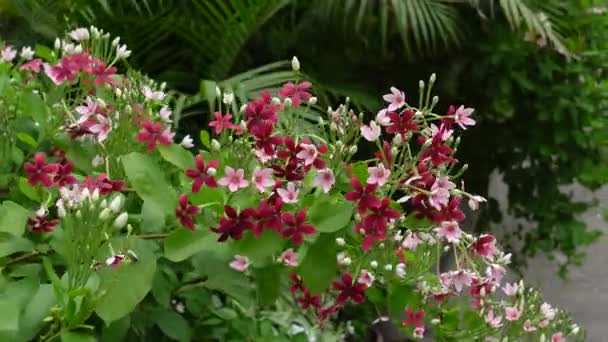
x=297, y=93
x=185, y=212
x=105, y=185
x=39, y=172
x=154, y=133
x=102, y=74
x=437, y=152
x=268, y=216
x=348, y=290
x=401, y=123
x=233, y=225
x=475, y=290
x=451, y=212
x=267, y=143
x=440, y=296
x=414, y=318
x=363, y=195
x=374, y=224
x=307, y=300
x=485, y=246
x=41, y=222
x=297, y=284
x=201, y=174
x=64, y=176
x=295, y=227
x=323, y=313
x=261, y=115
x=222, y=122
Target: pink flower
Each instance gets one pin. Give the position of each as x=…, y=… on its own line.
x=262, y=178
x=240, y=263
x=528, y=327
x=8, y=54
x=221, y=122
x=297, y=93
x=474, y=202
x=419, y=332
x=115, y=260
x=450, y=231
x=485, y=246
x=510, y=289
x=442, y=130
x=382, y=118
x=308, y=153
x=439, y=197
x=34, y=65
x=325, y=179
x=366, y=278
x=233, y=179
x=102, y=128
x=371, y=132
x=153, y=133
x=153, y=95
x=492, y=320
x=495, y=272
x=558, y=337
x=512, y=313
x=547, y=311
x=396, y=99
x=262, y=156
x=378, y=175
x=411, y=241
x=461, y=279
x=543, y=323
x=462, y=117
x=87, y=110
x=289, y=195
x=289, y=258
x=165, y=114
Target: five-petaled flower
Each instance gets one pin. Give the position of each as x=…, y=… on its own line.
x=295, y=226
x=233, y=179
x=41, y=222
x=325, y=179
x=378, y=175
x=297, y=93
x=222, y=122
x=240, y=263
x=413, y=318
x=349, y=290
x=186, y=212
x=462, y=117
x=289, y=195
x=450, y=231
x=154, y=133
x=485, y=246
x=364, y=196
x=64, y=176
x=262, y=178
x=401, y=123
x=396, y=99
x=39, y=171
x=233, y=224
x=371, y=132
x=202, y=174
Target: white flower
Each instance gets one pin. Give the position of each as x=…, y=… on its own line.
x=27, y=53
x=116, y=41
x=122, y=52
x=8, y=54
x=400, y=270
x=80, y=34
x=165, y=114
x=187, y=142
x=340, y=241
x=153, y=95
x=228, y=98
x=295, y=63
x=547, y=311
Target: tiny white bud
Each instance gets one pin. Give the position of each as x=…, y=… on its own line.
x=118, y=92
x=215, y=145
x=276, y=101
x=295, y=64
x=101, y=102
x=95, y=195
x=373, y=264
x=211, y=171
x=421, y=84
x=353, y=149
x=397, y=140
x=116, y=204
x=435, y=100
x=243, y=107
x=381, y=245
x=333, y=126
x=105, y=214
x=288, y=102
x=57, y=44
x=432, y=78
x=78, y=49
x=218, y=92
x=104, y=203
x=121, y=220
x=115, y=41
x=312, y=100
x=388, y=267
x=340, y=241
x=394, y=150
x=435, y=321
x=228, y=98
x=61, y=212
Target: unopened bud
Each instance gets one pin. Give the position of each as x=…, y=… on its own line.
x=211, y=171
x=353, y=149
x=115, y=41
x=104, y=203
x=61, y=212
x=276, y=101
x=340, y=241
x=118, y=92
x=388, y=267
x=243, y=107
x=333, y=127
x=394, y=150
x=435, y=100
x=312, y=100
x=105, y=214
x=435, y=321
x=295, y=64
x=218, y=92
x=121, y=220
x=78, y=49
x=116, y=204
x=373, y=264
x=57, y=44
x=288, y=102
x=432, y=78
x=95, y=195
x=421, y=84
x=101, y=103
x=215, y=145
x=397, y=140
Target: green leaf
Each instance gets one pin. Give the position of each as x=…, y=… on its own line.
x=33, y=105
x=226, y=313
x=13, y=218
x=173, y=325
x=149, y=181
x=72, y=336
x=268, y=280
x=208, y=196
x=177, y=155
x=10, y=244
x=45, y=53
x=321, y=252
x=402, y=296
x=205, y=139
x=360, y=172
x=259, y=250
x=183, y=243
x=153, y=218
x=36, y=310
x=126, y=285
x=9, y=319
x=28, y=139
x=329, y=215
x=412, y=222
x=116, y=331
x=28, y=190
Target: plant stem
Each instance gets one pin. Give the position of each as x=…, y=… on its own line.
x=159, y=236
x=22, y=258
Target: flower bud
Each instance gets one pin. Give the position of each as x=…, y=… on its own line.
x=78, y=48
x=333, y=127
x=321, y=121
x=435, y=321
x=421, y=84
x=218, y=92
x=276, y=101
x=388, y=267
x=295, y=64
x=340, y=241
x=105, y=214
x=211, y=171
x=79, y=214
x=353, y=149
x=57, y=44
x=228, y=98
x=373, y=264
x=288, y=102
x=116, y=204
x=312, y=100
x=394, y=151
x=115, y=41
x=397, y=140
x=61, y=212
x=435, y=100
x=104, y=203
x=118, y=92
x=95, y=195
x=121, y=220
x=432, y=78
x=243, y=107
x=215, y=145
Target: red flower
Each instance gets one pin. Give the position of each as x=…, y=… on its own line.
x=308, y=300
x=201, y=173
x=222, y=122
x=348, y=290
x=414, y=318
x=364, y=195
x=437, y=152
x=261, y=115
x=401, y=123
x=298, y=284
x=233, y=225
x=268, y=216
x=185, y=212
x=105, y=185
x=34, y=65
x=38, y=172
x=41, y=223
x=485, y=246
x=295, y=226
x=297, y=93
x=103, y=74
x=64, y=176
x=154, y=133
x=451, y=212
x=374, y=224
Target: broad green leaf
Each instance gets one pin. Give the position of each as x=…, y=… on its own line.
x=412, y=222
x=28, y=190
x=72, y=336
x=36, y=310
x=10, y=244
x=360, y=172
x=153, y=218
x=322, y=252
x=149, y=181
x=13, y=298
x=183, y=243
x=177, y=155
x=9, y=319
x=173, y=325
x=205, y=139
x=214, y=198
x=268, y=281
x=126, y=285
x=329, y=215
x=402, y=296
x=33, y=105
x=259, y=250
x=13, y=218
x=28, y=139
x=117, y=330
x=45, y=53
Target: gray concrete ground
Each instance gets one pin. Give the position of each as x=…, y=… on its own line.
x=585, y=294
